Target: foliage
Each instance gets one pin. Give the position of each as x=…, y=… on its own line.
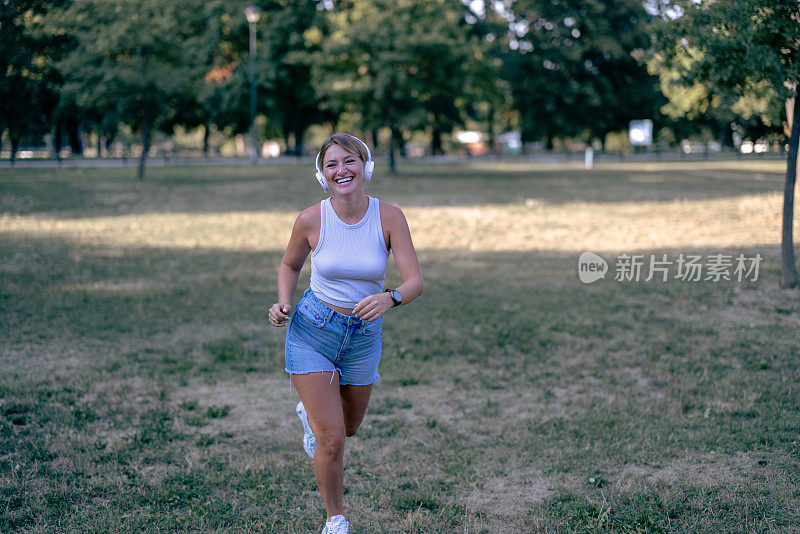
x=742, y=43
x=28, y=81
x=218, y=60
x=754, y=111
x=406, y=65
x=575, y=67
x=722, y=60
x=129, y=59
x=291, y=33
x=553, y=68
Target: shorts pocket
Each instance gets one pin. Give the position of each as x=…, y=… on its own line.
x=372, y=328
x=312, y=317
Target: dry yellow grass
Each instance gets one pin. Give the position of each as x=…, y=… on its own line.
x=742, y=221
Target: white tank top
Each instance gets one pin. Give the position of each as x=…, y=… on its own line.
x=349, y=262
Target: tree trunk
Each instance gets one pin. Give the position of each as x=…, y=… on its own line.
x=286, y=136
x=14, y=146
x=401, y=145
x=436, y=142
x=145, y=147
x=74, y=134
x=205, y=140
x=58, y=143
x=299, y=132
x=392, y=144
x=374, y=135
x=491, y=141
x=789, y=268
x=725, y=135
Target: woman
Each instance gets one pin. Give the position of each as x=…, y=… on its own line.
x=333, y=340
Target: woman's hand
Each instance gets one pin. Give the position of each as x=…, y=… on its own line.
x=279, y=314
x=374, y=306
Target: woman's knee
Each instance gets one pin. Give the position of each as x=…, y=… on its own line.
x=331, y=441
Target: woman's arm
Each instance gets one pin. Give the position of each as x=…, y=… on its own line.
x=402, y=247
x=404, y=255
x=291, y=264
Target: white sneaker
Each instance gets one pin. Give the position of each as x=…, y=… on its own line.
x=309, y=440
x=336, y=525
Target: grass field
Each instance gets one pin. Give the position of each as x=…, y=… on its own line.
x=142, y=390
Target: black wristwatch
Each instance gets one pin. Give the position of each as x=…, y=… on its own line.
x=397, y=298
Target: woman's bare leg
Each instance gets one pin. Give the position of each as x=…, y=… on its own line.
x=333, y=412
x=321, y=400
x=354, y=405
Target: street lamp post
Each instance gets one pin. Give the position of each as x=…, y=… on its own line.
x=253, y=13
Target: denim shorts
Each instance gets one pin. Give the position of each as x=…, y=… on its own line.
x=320, y=339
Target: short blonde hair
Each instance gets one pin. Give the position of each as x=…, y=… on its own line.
x=348, y=142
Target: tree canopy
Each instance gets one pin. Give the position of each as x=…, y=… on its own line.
x=551, y=68
x=130, y=59
x=576, y=67
x=28, y=81
x=409, y=66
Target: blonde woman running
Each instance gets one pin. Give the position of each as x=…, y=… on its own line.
x=333, y=339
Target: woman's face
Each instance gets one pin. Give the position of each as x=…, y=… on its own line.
x=343, y=170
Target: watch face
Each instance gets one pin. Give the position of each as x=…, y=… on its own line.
x=396, y=296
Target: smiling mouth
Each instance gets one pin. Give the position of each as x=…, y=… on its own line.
x=343, y=181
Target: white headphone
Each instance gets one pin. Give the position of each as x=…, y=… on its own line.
x=369, y=166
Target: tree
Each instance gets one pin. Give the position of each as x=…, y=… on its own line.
x=218, y=90
x=28, y=82
x=741, y=46
x=223, y=97
x=409, y=66
x=454, y=72
x=575, y=67
x=756, y=111
x=130, y=60
x=291, y=33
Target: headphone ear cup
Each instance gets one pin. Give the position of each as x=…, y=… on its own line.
x=322, y=182
x=368, y=168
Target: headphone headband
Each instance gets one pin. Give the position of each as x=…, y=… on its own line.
x=369, y=165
